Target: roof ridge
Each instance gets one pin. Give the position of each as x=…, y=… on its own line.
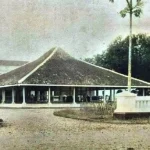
x=37, y=67
x=113, y=71
x=12, y=62
x=16, y=68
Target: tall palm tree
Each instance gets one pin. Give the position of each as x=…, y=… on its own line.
x=131, y=10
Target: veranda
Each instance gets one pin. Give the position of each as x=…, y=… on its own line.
x=60, y=95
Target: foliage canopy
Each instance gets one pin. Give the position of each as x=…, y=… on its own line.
x=116, y=56
x=132, y=9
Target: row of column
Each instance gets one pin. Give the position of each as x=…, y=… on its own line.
x=112, y=95
x=4, y=96
x=49, y=95
x=24, y=95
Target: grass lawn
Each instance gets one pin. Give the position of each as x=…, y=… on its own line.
x=98, y=112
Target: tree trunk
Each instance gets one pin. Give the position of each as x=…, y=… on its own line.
x=130, y=49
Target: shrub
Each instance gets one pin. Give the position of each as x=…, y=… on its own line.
x=99, y=108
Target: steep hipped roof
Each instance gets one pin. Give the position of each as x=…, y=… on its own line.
x=56, y=67
x=14, y=76
x=12, y=63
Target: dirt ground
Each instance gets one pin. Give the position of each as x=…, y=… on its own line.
x=39, y=129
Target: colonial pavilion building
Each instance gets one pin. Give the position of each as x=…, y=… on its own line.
x=58, y=80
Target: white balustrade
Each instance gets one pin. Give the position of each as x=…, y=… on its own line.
x=143, y=103
x=129, y=102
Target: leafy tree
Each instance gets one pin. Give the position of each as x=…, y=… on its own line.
x=116, y=56
x=90, y=60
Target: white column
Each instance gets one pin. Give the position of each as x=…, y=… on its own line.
x=74, y=97
x=94, y=92
x=53, y=93
x=24, y=97
x=143, y=92
x=114, y=95
x=13, y=96
x=3, y=96
x=104, y=96
x=111, y=95
x=49, y=95
x=38, y=96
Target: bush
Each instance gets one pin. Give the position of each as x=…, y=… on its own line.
x=99, y=108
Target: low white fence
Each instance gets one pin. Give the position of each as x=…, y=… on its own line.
x=129, y=102
x=142, y=103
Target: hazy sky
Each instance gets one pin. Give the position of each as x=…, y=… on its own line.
x=29, y=28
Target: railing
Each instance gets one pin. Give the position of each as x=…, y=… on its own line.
x=129, y=102
x=142, y=103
